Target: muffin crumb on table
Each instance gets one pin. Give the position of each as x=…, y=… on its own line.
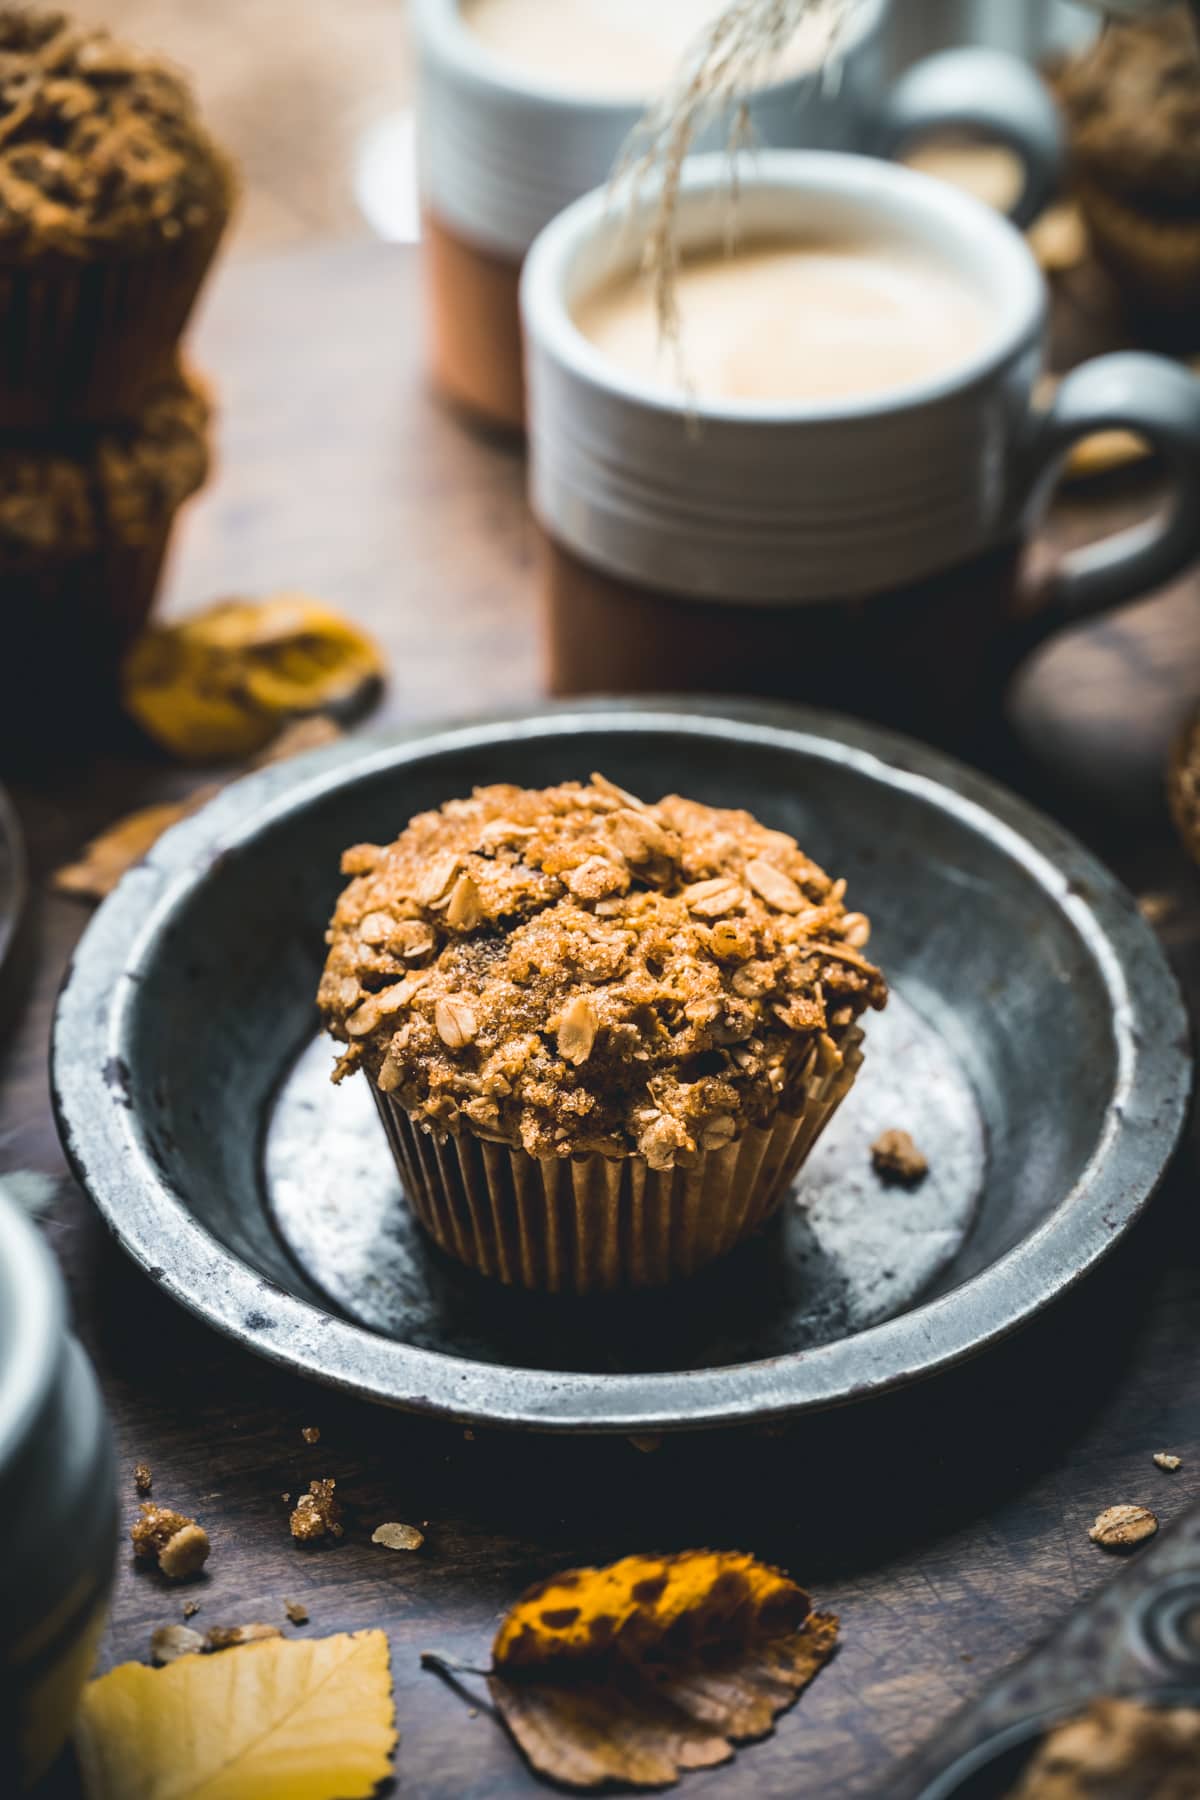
x=178, y=1544
x=896, y=1158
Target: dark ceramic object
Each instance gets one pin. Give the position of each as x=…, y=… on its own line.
x=1037, y=1047
x=57, y=1508
x=1138, y=1638
x=13, y=875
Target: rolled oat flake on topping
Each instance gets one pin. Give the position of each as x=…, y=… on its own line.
x=776, y=888
x=577, y=1029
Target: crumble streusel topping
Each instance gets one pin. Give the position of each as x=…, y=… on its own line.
x=571, y=970
x=101, y=145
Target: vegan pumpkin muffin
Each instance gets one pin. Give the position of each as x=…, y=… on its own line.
x=1133, y=109
x=602, y=1035
x=112, y=200
x=84, y=527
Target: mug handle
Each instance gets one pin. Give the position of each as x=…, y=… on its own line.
x=1134, y=391
x=993, y=95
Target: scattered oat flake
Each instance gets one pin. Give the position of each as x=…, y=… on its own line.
x=1156, y=908
x=1166, y=1459
x=713, y=1647
x=896, y=1158
x=311, y=1434
x=177, y=1541
x=104, y=859
x=398, y=1537
x=1121, y=1527
x=309, y=1717
x=228, y=1637
x=170, y=1642
x=296, y=1611
x=143, y=1478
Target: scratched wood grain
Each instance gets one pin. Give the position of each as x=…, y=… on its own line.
x=946, y=1526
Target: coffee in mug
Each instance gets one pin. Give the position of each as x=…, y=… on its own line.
x=613, y=49
x=836, y=509
x=524, y=105
x=816, y=320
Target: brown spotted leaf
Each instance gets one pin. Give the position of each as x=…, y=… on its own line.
x=655, y=1665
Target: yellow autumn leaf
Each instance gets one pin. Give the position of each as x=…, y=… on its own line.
x=222, y=682
x=284, y=1719
x=655, y=1665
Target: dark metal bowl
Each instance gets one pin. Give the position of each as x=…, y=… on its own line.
x=1036, y=1047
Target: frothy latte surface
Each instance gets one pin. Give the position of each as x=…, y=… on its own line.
x=806, y=322
x=610, y=49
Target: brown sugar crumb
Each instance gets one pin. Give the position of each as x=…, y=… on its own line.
x=296, y=1611
x=896, y=1158
x=1122, y=1527
x=316, y=1514
x=571, y=970
x=180, y=1545
x=1166, y=1459
x=398, y=1537
x=228, y=1637
x=143, y=1479
x=311, y=1434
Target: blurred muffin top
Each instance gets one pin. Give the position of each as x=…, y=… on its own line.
x=572, y=970
x=102, y=151
x=118, y=486
x=1133, y=107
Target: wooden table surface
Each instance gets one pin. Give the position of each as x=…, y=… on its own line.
x=947, y=1526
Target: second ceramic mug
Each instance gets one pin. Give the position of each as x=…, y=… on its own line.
x=501, y=153
x=862, y=553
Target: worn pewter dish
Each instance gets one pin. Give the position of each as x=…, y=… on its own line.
x=1036, y=1047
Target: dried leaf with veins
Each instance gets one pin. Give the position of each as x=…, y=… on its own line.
x=106, y=857
x=305, y=1719
x=655, y=1665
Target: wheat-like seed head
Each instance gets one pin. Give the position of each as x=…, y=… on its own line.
x=736, y=54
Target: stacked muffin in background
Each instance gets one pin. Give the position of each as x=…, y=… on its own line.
x=112, y=201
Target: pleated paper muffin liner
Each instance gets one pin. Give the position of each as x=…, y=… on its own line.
x=66, y=625
x=85, y=343
x=593, y=1223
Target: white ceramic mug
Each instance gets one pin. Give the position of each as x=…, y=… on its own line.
x=500, y=154
x=837, y=550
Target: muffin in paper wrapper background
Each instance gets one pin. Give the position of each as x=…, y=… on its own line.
x=587, y=1224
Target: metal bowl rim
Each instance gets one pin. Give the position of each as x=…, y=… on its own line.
x=156, y=1229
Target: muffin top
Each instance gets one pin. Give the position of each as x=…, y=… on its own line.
x=1133, y=108
x=101, y=148
x=63, y=501
x=571, y=970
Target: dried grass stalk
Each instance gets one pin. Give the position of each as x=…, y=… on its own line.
x=734, y=56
